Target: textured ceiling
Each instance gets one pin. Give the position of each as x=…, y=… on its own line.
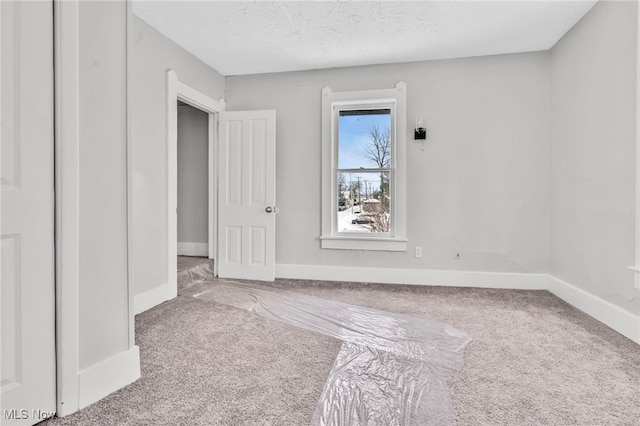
x=251, y=37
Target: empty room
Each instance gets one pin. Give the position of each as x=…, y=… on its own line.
x=325, y=213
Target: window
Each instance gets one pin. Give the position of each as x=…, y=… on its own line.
x=363, y=173
x=364, y=183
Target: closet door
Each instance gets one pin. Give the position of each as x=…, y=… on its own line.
x=27, y=291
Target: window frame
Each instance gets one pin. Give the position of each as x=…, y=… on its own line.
x=332, y=103
x=339, y=107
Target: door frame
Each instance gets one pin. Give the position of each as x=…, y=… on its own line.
x=180, y=91
x=69, y=377
x=67, y=204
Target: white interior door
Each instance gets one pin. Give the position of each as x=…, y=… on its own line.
x=247, y=195
x=27, y=224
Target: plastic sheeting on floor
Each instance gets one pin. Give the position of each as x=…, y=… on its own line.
x=194, y=274
x=387, y=371
x=368, y=386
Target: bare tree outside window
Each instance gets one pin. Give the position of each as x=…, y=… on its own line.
x=379, y=151
x=342, y=191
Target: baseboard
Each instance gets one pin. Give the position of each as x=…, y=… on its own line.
x=622, y=321
x=98, y=381
x=153, y=297
x=606, y=312
x=415, y=276
x=193, y=249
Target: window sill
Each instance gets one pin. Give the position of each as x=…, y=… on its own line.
x=363, y=243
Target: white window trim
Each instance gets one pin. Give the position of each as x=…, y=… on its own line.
x=330, y=238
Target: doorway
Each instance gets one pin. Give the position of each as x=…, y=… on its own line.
x=193, y=197
x=196, y=108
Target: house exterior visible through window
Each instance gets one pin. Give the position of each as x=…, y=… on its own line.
x=364, y=169
x=364, y=184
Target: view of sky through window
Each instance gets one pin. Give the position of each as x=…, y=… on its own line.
x=354, y=136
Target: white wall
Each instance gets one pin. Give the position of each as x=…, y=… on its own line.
x=153, y=54
x=480, y=185
x=193, y=176
x=592, y=188
x=104, y=308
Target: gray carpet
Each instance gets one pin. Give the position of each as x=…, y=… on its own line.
x=534, y=360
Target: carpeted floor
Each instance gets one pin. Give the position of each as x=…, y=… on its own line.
x=534, y=360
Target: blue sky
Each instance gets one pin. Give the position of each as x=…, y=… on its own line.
x=354, y=137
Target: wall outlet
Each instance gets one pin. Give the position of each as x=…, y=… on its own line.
x=457, y=254
x=418, y=252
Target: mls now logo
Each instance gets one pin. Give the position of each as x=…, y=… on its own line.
x=23, y=414
x=15, y=414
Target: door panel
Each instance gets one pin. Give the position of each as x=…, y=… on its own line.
x=247, y=191
x=258, y=249
x=234, y=245
x=26, y=179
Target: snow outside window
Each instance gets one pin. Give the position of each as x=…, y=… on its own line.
x=364, y=184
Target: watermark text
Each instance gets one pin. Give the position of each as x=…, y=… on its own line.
x=25, y=414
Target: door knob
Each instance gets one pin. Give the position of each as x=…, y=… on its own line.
x=269, y=209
